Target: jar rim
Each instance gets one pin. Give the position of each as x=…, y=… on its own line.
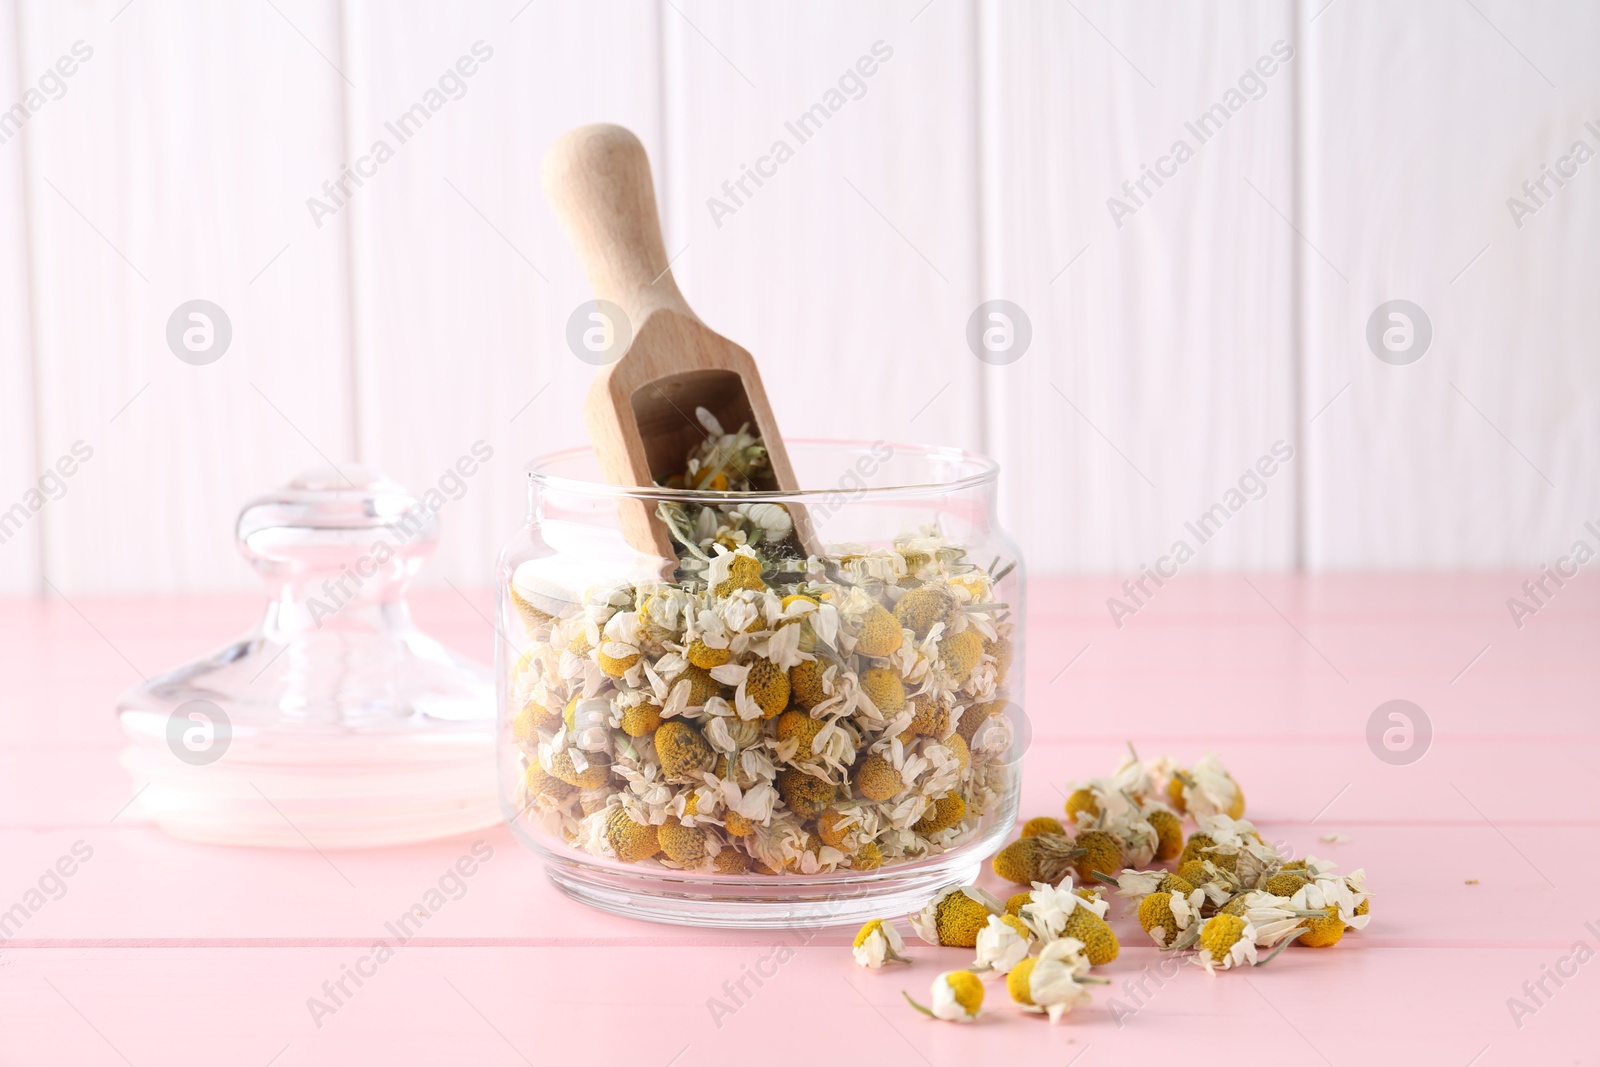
x=982, y=471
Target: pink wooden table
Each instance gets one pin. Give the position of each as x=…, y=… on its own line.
x=1480, y=854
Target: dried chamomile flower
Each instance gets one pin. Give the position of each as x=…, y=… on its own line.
x=877, y=943
x=1237, y=847
x=577, y=769
x=1096, y=852
x=957, y=997
x=1283, y=884
x=641, y=720
x=1356, y=882
x=1323, y=929
x=768, y=686
x=877, y=779
x=1100, y=942
x=1055, y=981
x=1048, y=857
x=945, y=812
x=1225, y=941
x=920, y=608
x=805, y=794
x=702, y=686
x=795, y=725
x=743, y=571
x=960, y=653
x=1238, y=904
x=705, y=657
x=805, y=683
x=682, y=844
x=1019, y=861
x=833, y=826
x=1169, y=831
x=1044, y=824
x=955, y=916
x=631, y=841
x=684, y=753
x=1332, y=893
x=1136, y=885
x=1002, y=650
x=884, y=688
x=869, y=857
x=931, y=717
x=1002, y=944
x=1164, y=916
x=1049, y=908
x=1217, y=884
x=1206, y=789
x=1194, y=849
x=541, y=783
x=730, y=861
x=975, y=716
x=1276, y=919
x=880, y=634
x=1081, y=799
x=616, y=667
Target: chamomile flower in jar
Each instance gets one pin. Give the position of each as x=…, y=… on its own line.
x=877, y=943
x=956, y=996
x=772, y=701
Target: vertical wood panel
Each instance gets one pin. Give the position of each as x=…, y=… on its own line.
x=1421, y=122
x=176, y=167
x=1161, y=366
x=19, y=555
x=463, y=279
x=850, y=272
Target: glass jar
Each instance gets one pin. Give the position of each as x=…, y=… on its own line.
x=810, y=716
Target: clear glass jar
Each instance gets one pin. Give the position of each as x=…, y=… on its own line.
x=764, y=731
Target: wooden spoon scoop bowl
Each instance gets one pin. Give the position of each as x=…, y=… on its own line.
x=640, y=411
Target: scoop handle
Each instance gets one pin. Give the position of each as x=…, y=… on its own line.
x=598, y=181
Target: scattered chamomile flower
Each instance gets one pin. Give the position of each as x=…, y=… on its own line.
x=1002, y=944
x=1165, y=916
x=1283, y=884
x=877, y=943
x=1226, y=941
x=1206, y=789
x=1169, y=833
x=955, y=916
x=1081, y=800
x=1048, y=857
x=1053, y=982
x=1049, y=908
x=1324, y=929
x=1100, y=942
x=1044, y=824
x=957, y=996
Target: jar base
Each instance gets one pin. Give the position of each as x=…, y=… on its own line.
x=743, y=906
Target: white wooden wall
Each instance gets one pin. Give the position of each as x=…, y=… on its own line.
x=1227, y=313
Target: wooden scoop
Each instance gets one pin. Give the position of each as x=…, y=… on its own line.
x=640, y=411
